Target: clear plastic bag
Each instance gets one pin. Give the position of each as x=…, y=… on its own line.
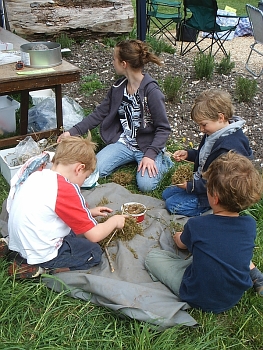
x=43, y=116
x=26, y=149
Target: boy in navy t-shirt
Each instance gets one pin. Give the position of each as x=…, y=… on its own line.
x=218, y=272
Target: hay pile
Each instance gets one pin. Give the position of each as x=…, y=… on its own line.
x=131, y=228
x=182, y=174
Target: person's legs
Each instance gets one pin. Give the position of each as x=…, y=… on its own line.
x=76, y=253
x=112, y=157
x=178, y=201
x=167, y=267
x=146, y=183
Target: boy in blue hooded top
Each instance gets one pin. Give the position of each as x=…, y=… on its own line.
x=217, y=274
x=213, y=112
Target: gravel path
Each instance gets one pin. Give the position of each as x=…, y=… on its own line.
x=95, y=58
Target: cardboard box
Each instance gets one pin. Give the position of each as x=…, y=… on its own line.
x=7, y=161
x=8, y=107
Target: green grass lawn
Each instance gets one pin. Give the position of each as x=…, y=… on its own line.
x=239, y=5
x=34, y=317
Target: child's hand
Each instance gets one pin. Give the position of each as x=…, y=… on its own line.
x=149, y=164
x=177, y=240
x=119, y=220
x=65, y=134
x=100, y=211
x=180, y=155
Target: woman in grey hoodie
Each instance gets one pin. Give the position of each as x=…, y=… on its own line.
x=132, y=118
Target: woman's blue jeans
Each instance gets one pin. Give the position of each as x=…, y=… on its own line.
x=178, y=201
x=117, y=154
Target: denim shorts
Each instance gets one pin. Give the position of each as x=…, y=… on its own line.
x=76, y=253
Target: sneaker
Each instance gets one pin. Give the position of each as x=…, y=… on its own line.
x=257, y=278
x=258, y=286
x=3, y=248
x=22, y=271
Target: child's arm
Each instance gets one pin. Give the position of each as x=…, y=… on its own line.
x=103, y=229
x=178, y=241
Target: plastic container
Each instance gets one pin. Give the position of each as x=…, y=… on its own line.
x=8, y=107
x=39, y=95
x=42, y=54
x=130, y=209
x=7, y=161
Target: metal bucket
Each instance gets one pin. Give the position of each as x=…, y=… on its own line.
x=41, y=54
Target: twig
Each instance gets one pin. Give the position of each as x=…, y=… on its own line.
x=50, y=146
x=111, y=238
x=109, y=259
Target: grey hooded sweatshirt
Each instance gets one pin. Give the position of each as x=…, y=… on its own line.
x=154, y=129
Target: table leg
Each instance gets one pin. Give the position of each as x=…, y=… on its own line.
x=24, y=112
x=58, y=92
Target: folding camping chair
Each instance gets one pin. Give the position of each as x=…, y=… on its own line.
x=163, y=14
x=256, y=20
x=204, y=18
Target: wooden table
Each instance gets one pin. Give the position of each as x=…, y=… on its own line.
x=11, y=82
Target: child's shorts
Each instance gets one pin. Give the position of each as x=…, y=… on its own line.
x=76, y=253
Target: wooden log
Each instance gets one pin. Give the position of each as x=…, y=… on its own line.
x=93, y=17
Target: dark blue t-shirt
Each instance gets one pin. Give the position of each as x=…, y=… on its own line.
x=222, y=248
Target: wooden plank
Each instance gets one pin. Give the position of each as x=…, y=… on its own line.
x=13, y=141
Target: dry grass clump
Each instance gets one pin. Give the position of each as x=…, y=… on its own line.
x=104, y=201
x=122, y=178
x=183, y=173
x=130, y=229
x=134, y=208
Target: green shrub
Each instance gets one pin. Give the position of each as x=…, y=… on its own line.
x=225, y=65
x=245, y=89
x=172, y=87
x=158, y=45
x=90, y=83
x=204, y=66
x=65, y=41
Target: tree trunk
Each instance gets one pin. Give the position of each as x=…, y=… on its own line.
x=89, y=17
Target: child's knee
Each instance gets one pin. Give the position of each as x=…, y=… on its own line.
x=146, y=183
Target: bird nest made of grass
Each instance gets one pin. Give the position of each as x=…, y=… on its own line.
x=122, y=178
x=182, y=174
x=130, y=229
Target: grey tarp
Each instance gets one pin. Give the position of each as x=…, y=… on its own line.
x=129, y=289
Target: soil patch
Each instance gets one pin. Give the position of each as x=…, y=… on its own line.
x=93, y=57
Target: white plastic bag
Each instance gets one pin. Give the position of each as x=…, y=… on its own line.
x=43, y=116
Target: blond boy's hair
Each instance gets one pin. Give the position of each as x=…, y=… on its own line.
x=235, y=180
x=74, y=149
x=211, y=102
